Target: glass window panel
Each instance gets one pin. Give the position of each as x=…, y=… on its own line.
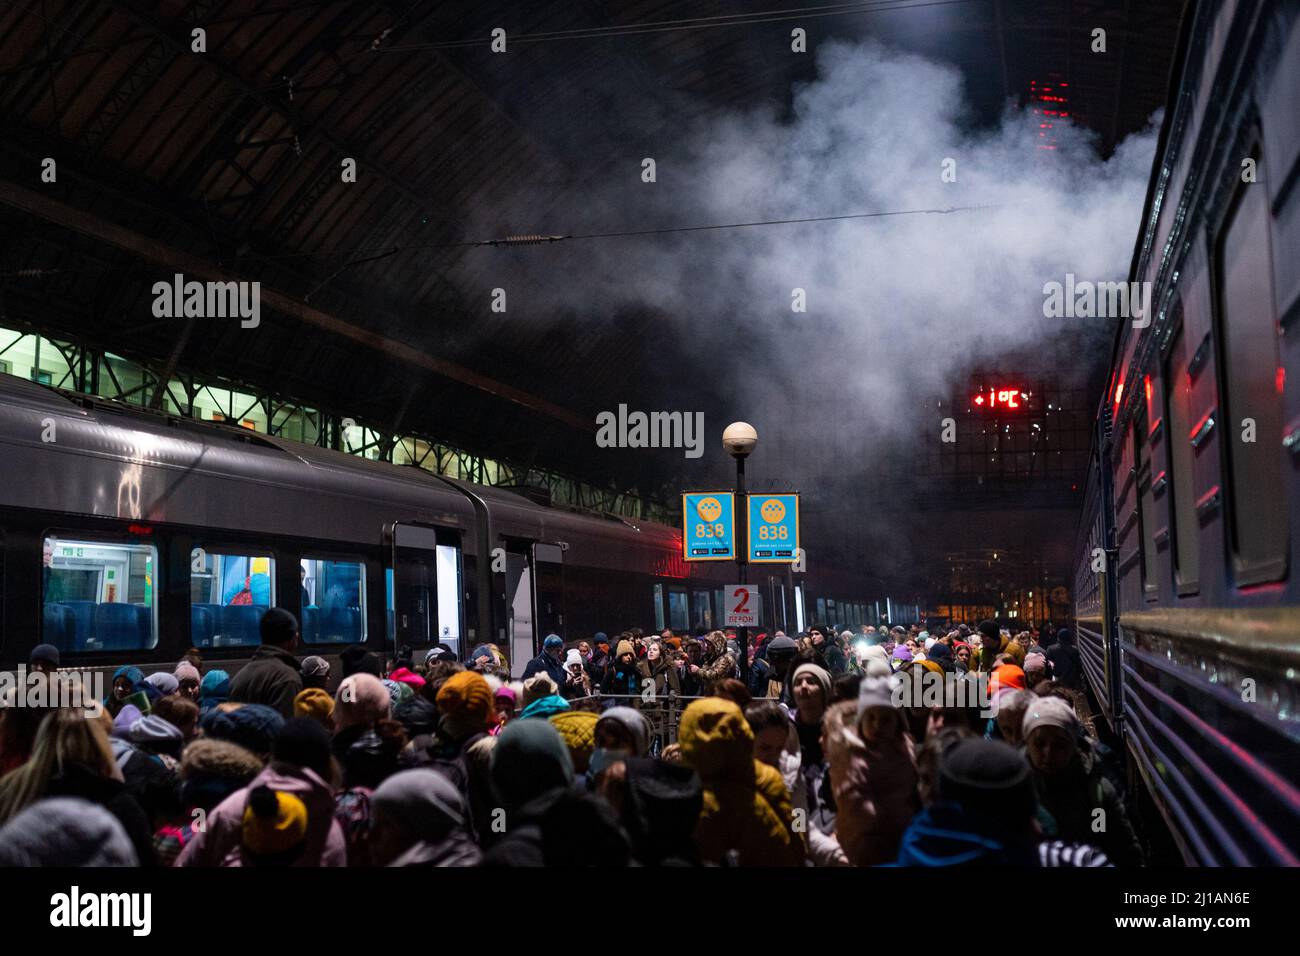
x=98, y=595
x=336, y=595
x=229, y=593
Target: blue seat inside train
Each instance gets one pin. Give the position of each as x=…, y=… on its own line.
x=238, y=625
x=60, y=624
x=121, y=627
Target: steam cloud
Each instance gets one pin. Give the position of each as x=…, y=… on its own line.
x=900, y=309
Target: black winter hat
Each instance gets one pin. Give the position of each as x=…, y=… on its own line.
x=304, y=742
x=991, y=780
x=357, y=660
x=989, y=629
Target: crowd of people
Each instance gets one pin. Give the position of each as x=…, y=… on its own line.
x=814, y=760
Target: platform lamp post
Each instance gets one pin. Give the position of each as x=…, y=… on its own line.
x=739, y=438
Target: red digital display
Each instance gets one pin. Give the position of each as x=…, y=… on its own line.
x=996, y=398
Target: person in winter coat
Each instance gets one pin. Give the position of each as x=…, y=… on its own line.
x=657, y=667
x=126, y=681
x=64, y=832
x=72, y=757
x=811, y=686
x=770, y=676
x=541, y=698
x=777, y=745
x=214, y=690
x=549, y=661
x=622, y=679
x=1067, y=666
x=285, y=816
x=252, y=726
x=272, y=677
x=873, y=774
x=419, y=818
x=147, y=751
x=548, y=821
x=461, y=747
x=657, y=804
x=992, y=643
x=746, y=817
x=577, y=683
x=1070, y=785
x=210, y=771
x=719, y=663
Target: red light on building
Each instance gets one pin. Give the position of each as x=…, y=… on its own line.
x=994, y=398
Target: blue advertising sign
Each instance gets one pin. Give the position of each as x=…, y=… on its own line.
x=709, y=526
x=773, y=528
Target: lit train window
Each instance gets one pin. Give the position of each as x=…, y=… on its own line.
x=98, y=595
x=229, y=593
x=1251, y=377
x=701, y=613
x=678, y=616
x=1183, y=526
x=334, y=601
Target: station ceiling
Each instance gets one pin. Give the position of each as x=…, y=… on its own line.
x=226, y=164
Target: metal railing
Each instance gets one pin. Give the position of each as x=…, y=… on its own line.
x=664, y=712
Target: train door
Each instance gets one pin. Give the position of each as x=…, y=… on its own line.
x=520, y=633
x=548, y=579
x=414, y=608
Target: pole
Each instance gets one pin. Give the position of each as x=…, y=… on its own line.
x=742, y=556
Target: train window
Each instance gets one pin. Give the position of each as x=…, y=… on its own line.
x=1182, y=511
x=449, y=607
x=229, y=593
x=659, y=608
x=334, y=601
x=1251, y=380
x=1146, y=504
x=98, y=595
x=701, y=613
x=678, y=616
x=821, y=610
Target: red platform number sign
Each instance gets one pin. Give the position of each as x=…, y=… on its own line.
x=742, y=605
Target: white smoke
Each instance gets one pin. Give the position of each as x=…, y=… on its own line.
x=895, y=305
x=900, y=310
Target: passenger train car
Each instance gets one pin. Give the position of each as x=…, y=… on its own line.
x=1186, y=589
x=128, y=536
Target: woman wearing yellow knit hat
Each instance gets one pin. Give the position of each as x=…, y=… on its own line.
x=746, y=813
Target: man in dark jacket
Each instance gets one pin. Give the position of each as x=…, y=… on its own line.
x=1067, y=668
x=272, y=677
x=549, y=661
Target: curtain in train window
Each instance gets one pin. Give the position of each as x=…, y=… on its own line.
x=335, y=592
x=701, y=613
x=1183, y=526
x=1251, y=376
x=1146, y=504
x=99, y=595
x=678, y=613
x=229, y=593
